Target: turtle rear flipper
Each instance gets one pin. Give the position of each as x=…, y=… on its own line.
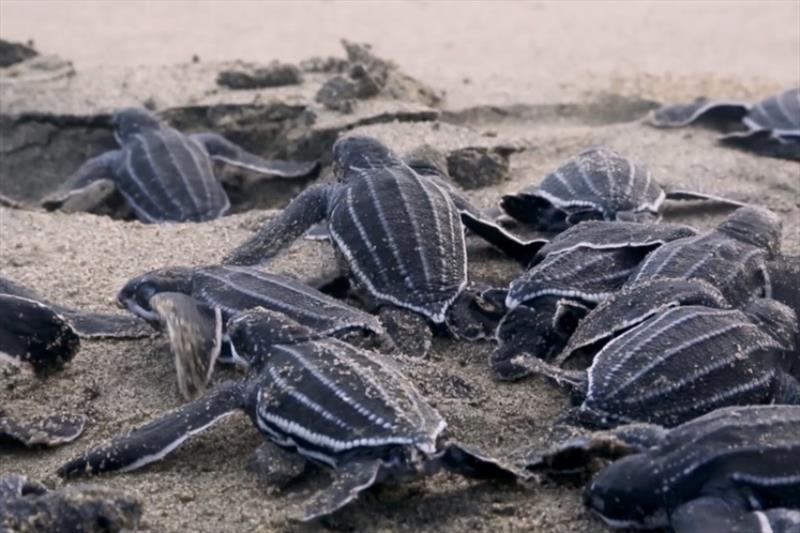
x=50, y=432
x=221, y=149
x=350, y=480
x=714, y=513
x=702, y=109
x=195, y=337
x=155, y=440
x=516, y=248
x=107, y=325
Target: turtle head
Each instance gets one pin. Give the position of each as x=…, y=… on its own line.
x=427, y=160
x=627, y=494
x=755, y=225
x=253, y=332
x=361, y=153
x=136, y=294
x=776, y=319
x=131, y=121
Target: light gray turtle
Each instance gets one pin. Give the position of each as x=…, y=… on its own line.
x=163, y=174
x=339, y=406
x=86, y=324
x=28, y=507
x=684, y=362
x=578, y=269
x=770, y=127
x=597, y=184
x=195, y=304
x=400, y=236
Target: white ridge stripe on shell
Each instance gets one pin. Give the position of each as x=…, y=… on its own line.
x=156, y=173
x=185, y=178
x=709, y=253
x=782, y=108
x=385, y=226
x=668, y=354
x=140, y=210
x=426, y=269
x=763, y=522
x=160, y=454
x=766, y=481
x=631, y=178
x=450, y=216
x=587, y=181
x=656, y=254
x=336, y=391
x=305, y=400
x=561, y=203
x=197, y=151
x=605, y=157
x=567, y=185
x=628, y=337
x=624, y=273
x=362, y=232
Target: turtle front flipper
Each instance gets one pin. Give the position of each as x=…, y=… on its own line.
x=308, y=208
x=195, y=337
x=88, y=188
x=155, y=440
x=472, y=462
x=681, y=194
x=715, y=513
x=50, y=432
x=514, y=247
x=221, y=149
x=107, y=325
x=701, y=109
x=764, y=142
x=350, y=480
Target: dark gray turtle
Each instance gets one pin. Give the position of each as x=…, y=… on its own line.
x=771, y=126
x=50, y=431
x=735, y=469
x=399, y=233
x=194, y=304
x=163, y=174
x=684, y=362
x=784, y=274
x=28, y=507
x=87, y=324
x=597, y=184
x=338, y=406
x=579, y=268
x=733, y=257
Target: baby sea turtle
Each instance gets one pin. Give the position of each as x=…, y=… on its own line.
x=597, y=184
x=195, y=304
x=399, y=233
x=684, y=362
x=85, y=324
x=35, y=334
x=26, y=506
x=163, y=174
x=339, y=406
x=579, y=268
x=734, y=469
x=772, y=126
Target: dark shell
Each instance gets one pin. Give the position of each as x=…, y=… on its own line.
x=165, y=175
x=635, y=304
x=603, y=235
x=33, y=333
x=701, y=109
x=737, y=269
x=779, y=113
x=333, y=402
x=234, y=289
x=402, y=237
x=598, y=182
x=739, y=454
x=683, y=363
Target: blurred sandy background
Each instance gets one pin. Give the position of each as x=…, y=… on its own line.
x=493, y=51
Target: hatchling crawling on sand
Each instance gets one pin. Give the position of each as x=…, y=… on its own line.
x=684, y=362
x=575, y=271
x=736, y=469
x=597, y=184
x=400, y=235
x=770, y=127
x=26, y=506
x=336, y=405
x=163, y=174
x=195, y=304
